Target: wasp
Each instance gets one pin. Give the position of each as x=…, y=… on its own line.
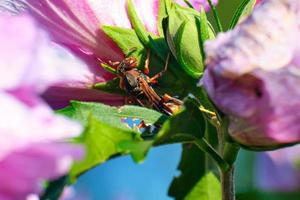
x=138, y=85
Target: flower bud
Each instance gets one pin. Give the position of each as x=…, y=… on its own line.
x=253, y=76
x=186, y=31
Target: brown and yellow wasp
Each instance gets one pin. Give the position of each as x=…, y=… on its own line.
x=138, y=85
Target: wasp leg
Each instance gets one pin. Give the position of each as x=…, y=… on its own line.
x=141, y=103
x=167, y=98
x=142, y=124
x=130, y=101
x=171, y=104
x=113, y=64
x=146, y=66
x=158, y=75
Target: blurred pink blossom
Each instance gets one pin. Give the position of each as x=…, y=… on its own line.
x=32, y=147
x=279, y=170
x=253, y=73
x=258, y=1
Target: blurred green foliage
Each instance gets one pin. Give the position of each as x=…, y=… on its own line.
x=225, y=10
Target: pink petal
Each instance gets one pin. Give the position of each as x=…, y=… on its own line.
x=15, y=51
x=22, y=125
x=60, y=96
x=31, y=136
x=24, y=171
x=77, y=25
x=148, y=12
x=33, y=59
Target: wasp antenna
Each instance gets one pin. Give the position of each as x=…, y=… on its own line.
x=108, y=68
x=158, y=75
x=167, y=62
x=146, y=66
x=130, y=51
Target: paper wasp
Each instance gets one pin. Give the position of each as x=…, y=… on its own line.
x=138, y=85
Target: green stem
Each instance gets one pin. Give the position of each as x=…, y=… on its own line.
x=227, y=177
x=231, y=151
x=188, y=3
x=216, y=16
x=227, y=183
x=206, y=147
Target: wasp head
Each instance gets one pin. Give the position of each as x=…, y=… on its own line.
x=127, y=64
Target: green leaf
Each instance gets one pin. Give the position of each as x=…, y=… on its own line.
x=110, y=115
x=192, y=167
x=106, y=135
x=110, y=86
x=187, y=125
x=207, y=188
x=55, y=188
x=127, y=40
x=137, y=24
x=138, y=149
x=216, y=16
x=164, y=6
x=175, y=19
x=189, y=56
x=243, y=10
x=205, y=29
x=101, y=141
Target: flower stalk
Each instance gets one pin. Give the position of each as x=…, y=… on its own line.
x=229, y=152
x=227, y=184
x=206, y=147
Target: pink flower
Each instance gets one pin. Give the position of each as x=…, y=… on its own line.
x=32, y=147
x=253, y=73
x=77, y=26
x=258, y=1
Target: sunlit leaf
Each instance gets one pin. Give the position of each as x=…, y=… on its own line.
x=192, y=168
x=107, y=134
x=101, y=141
x=207, y=188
